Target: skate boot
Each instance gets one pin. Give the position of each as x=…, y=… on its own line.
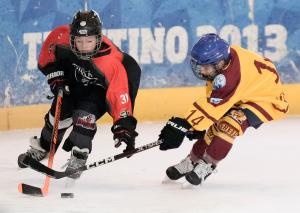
x=78, y=159
x=36, y=152
x=201, y=171
x=181, y=169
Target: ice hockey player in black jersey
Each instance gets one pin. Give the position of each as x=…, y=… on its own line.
x=97, y=77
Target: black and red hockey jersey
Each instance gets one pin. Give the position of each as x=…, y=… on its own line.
x=105, y=69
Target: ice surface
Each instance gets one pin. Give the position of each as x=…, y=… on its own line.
x=261, y=174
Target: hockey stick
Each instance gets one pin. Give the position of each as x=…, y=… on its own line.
x=33, y=190
x=38, y=166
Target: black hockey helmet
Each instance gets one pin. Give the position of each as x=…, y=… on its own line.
x=86, y=23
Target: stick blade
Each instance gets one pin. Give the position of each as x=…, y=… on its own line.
x=31, y=190
x=39, y=167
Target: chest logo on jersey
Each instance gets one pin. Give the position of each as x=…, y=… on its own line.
x=84, y=76
x=215, y=100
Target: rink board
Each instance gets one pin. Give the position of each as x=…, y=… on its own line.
x=151, y=105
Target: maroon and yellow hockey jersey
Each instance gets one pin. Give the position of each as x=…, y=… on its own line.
x=249, y=81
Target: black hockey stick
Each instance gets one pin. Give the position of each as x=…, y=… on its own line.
x=38, y=166
x=33, y=190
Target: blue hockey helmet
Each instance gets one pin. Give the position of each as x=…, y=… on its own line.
x=210, y=49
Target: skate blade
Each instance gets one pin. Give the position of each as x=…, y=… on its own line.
x=167, y=180
x=187, y=185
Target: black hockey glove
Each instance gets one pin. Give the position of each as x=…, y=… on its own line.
x=124, y=132
x=173, y=133
x=57, y=81
x=195, y=135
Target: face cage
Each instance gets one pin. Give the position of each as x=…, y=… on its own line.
x=85, y=56
x=196, y=68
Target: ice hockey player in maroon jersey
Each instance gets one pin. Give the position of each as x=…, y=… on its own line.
x=243, y=89
x=96, y=78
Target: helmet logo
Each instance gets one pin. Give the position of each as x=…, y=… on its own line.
x=82, y=32
x=83, y=23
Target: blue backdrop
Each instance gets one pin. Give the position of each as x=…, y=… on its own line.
x=159, y=34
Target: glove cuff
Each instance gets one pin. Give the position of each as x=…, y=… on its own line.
x=54, y=75
x=179, y=123
x=126, y=123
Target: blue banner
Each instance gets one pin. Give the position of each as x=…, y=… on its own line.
x=159, y=34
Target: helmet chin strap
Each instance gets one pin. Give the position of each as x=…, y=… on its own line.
x=218, y=69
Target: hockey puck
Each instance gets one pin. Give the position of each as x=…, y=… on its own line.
x=67, y=195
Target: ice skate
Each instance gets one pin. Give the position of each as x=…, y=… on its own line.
x=36, y=152
x=201, y=171
x=78, y=158
x=181, y=169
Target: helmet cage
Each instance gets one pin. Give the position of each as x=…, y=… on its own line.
x=196, y=68
x=85, y=55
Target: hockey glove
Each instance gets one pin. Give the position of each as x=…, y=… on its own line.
x=57, y=81
x=124, y=132
x=173, y=133
x=195, y=135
